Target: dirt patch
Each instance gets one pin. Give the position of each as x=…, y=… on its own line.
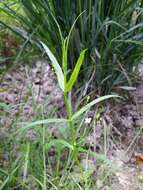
x=27, y=87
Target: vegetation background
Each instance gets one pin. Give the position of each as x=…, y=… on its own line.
x=93, y=47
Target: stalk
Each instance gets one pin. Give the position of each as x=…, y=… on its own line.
x=44, y=183
x=68, y=105
x=44, y=161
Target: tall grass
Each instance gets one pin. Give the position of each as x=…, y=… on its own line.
x=111, y=30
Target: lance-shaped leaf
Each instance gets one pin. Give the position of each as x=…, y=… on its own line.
x=56, y=66
x=75, y=72
x=92, y=103
x=40, y=122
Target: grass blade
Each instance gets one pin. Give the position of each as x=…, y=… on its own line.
x=9, y=178
x=25, y=172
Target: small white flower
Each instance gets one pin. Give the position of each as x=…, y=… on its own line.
x=88, y=120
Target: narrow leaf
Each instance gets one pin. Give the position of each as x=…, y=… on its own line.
x=41, y=122
x=38, y=181
x=75, y=72
x=8, y=179
x=64, y=60
x=56, y=66
x=89, y=105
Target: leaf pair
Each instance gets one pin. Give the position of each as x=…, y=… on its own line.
x=66, y=87
x=61, y=120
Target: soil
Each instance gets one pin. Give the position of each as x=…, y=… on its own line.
x=124, y=120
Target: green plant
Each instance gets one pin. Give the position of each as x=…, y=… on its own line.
x=33, y=167
x=66, y=83
x=111, y=30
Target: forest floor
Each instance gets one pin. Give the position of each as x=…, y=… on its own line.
x=23, y=88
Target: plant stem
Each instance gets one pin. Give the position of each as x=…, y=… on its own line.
x=44, y=161
x=67, y=100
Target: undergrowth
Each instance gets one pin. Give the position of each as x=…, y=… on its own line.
x=40, y=154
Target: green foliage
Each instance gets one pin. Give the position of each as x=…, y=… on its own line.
x=75, y=72
x=7, y=17
x=34, y=167
x=57, y=68
x=66, y=85
x=111, y=30
x=70, y=143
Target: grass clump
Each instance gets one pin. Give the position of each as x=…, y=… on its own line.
x=112, y=32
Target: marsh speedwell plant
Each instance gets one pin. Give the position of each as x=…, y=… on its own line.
x=111, y=30
x=66, y=82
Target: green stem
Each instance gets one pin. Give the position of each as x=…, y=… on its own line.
x=58, y=163
x=67, y=101
x=44, y=160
